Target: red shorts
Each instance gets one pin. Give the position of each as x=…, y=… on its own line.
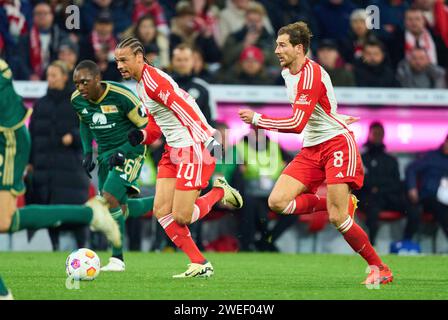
x=336, y=160
x=191, y=166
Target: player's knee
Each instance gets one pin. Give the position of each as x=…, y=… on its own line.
x=182, y=219
x=5, y=222
x=276, y=203
x=113, y=202
x=335, y=216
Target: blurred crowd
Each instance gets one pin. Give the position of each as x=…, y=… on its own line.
x=234, y=40
x=230, y=42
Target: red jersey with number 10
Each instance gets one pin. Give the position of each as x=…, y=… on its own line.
x=175, y=112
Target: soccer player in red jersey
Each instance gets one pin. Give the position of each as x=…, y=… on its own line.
x=187, y=163
x=329, y=149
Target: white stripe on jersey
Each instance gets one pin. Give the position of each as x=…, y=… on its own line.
x=188, y=120
x=292, y=123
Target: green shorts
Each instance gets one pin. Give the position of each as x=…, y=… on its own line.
x=121, y=181
x=15, y=146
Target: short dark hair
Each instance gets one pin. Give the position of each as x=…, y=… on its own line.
x=374, y=43
x=376, y=124
x=89, y=65
x=299, y=33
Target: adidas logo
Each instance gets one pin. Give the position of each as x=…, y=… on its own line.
x=189, y=184
x=340, y=175
x=84, y=111
x=123, y=176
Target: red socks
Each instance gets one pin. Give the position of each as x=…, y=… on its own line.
x=359, y=241
x=306, y=203
x=181, y=237
x=204, y=204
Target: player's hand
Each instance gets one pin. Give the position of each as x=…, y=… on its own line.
x=136, y=137
x=116, y=159
x=246, y=115
x=350, y=119
x=88, y=164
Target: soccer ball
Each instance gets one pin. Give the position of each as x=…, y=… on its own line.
x=83, y=264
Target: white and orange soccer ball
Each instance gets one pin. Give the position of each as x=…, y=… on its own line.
x=83, y=264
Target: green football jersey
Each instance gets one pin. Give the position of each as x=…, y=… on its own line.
x=12, y=110
x=111, y=117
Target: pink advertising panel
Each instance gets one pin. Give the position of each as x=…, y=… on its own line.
x=406, y=129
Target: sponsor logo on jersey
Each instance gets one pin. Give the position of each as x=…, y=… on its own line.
x=84, y=111
x=142, y=111
x=303, y=99
x=189, y=184
x=340, y=175
x=99, y=118
x=109, y=109
x=124, y=176
x=164, y=96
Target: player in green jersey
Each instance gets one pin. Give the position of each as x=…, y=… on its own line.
x=107, y=112
x=15, y=147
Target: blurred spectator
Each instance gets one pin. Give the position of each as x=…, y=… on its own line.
x=207, y=17
x=296, y=10
x=184, y=30
x=56, y=154
x=253, y=33
x=233, y=18
x=382, y=188
x=182, y=72
x=200, y=69
x=372, y=70
x=145, y=31
x=418, y=72
x=40, y=47
x=250, y=69
x=119, y=10
x=263, y=160
x=417, y=35
x=155, y=10
x=329, y=59
x=69, y=53
x=427, y=183
x=436, y=16
x=332, y=18
x=99, y=46
x=18, y=17
x=352, y=44
x=391, y=17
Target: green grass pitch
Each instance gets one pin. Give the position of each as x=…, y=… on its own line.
x=237, y=276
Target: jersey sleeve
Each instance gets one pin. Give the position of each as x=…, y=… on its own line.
x=152, y=130
x=308, y=92
x=133, y=109
x=161, y=90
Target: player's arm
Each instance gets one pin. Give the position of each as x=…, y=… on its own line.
x=86, y=137
x=308, y=94
x=161, y=90
x=148, y=135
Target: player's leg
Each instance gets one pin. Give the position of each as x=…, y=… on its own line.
x=5, y=294
x=138, y=207
x=34, y=217
x=14, y=155
x=343, y=170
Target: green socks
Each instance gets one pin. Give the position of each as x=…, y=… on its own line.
x=117, y=214
x=3, y=290
x=138, y=207
x=44, y=216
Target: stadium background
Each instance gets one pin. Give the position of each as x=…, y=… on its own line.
x=407, y=114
